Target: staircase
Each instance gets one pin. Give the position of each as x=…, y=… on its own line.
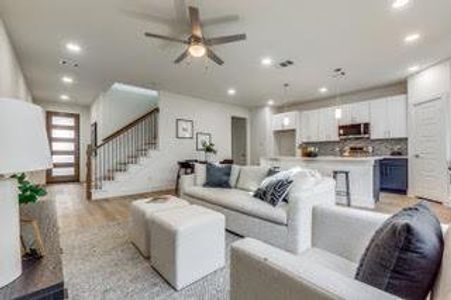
x=120, y=152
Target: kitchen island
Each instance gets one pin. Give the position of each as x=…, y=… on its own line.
x=363, y=173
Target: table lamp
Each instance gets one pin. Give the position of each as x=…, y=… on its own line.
x=24, y=147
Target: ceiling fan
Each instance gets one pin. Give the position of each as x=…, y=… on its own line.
x=197, y=44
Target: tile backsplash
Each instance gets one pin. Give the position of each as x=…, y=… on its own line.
x=380, y=147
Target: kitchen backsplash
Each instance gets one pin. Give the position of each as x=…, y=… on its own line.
x=380, y=147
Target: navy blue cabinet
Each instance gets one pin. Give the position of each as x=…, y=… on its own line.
x=393, y=175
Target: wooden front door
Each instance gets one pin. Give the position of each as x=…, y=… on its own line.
x=64, y=136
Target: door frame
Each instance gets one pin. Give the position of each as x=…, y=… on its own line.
x=445, y=109
x=246, y=138
x=76, y=152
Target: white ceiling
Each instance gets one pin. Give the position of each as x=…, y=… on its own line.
x=363, y=36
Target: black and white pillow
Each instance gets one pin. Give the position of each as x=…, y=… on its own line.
x=274, y=192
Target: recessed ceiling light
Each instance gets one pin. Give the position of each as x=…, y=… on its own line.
x=64, y=97
x=270, y=102
x=267, y=61
x=73, y=47
x=412, y=38
x=414, y=68
x=323, y=90
x=67, y=79
x=231, y=92
x=397, y=4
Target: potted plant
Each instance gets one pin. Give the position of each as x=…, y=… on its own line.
x=31, y=239
x=28, y=192
x=209, y=149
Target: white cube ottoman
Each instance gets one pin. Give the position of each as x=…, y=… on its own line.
x=187, y=244
x=141, y=211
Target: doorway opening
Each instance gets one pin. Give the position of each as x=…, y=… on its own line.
x=239, y=140
x=63, y=130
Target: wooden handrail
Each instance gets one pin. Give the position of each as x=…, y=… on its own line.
x=127, y=127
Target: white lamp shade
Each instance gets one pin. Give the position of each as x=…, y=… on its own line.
x=23, y=138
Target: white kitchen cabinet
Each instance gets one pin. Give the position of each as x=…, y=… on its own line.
x=355, y=113
x=328, y=125
x=389, y=118
x=310, y=126
x=285, y=121
x=397, y=116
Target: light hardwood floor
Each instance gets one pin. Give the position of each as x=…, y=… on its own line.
x=74, y=211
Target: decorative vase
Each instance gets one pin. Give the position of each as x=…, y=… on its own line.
x=208, y=157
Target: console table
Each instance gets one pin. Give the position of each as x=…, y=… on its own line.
x=42, y=279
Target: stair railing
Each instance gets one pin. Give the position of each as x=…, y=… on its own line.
x=119, y=150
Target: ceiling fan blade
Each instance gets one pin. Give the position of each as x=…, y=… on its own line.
x=166, y=38
x=181, y=57
x=225, y=39
x=214, y=57
x=195, y=21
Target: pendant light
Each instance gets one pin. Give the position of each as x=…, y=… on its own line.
x=286, y=120
x=339, y=73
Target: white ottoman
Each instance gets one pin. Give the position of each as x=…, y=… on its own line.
x=187, y=244
x=141, y=211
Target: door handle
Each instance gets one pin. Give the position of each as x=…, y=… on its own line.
x=417, y=155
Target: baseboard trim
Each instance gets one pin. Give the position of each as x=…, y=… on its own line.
x=139, y=195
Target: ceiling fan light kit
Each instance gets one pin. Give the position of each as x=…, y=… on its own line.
x=197, y=50
x=197, y=44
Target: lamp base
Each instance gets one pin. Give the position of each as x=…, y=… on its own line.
x=10, y=253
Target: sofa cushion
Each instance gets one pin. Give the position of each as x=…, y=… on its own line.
x=442, y=286
x=330, y=261
x=251, y=177
x=404, y=255
x=234, y=175
x=242, y=202
x=304, y=180
x=218, y=176
x=200, y=171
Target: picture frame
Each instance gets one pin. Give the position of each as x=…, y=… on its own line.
x=200, y=138
x=184, y=129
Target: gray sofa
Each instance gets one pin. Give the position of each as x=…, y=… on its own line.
x=287, y=226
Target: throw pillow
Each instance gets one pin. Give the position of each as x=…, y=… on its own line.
x=251, y=177
x=274, y=192
x=218, y=176
x=404, y=255
x=274, y=175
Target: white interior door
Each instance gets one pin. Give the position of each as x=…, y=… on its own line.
x=430, y=168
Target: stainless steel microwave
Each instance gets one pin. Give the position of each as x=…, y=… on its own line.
x=354, y=131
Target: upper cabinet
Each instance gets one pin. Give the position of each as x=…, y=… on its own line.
x=319, y=125
x=285, y=121
x=310, y=126
x=389, y=118
x=355, y=113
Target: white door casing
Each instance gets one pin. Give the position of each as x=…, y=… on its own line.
x=428, y=153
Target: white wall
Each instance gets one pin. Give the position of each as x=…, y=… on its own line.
x=12, y=81
x=115, y=109
x=85, y=134
x=426, y=85
x=158, y=172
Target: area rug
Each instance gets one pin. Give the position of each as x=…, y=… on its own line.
x=101, y=263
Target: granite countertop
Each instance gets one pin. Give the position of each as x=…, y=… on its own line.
x=42, y=279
